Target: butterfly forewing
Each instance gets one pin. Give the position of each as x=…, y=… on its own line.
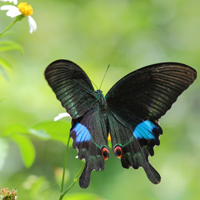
x=150, y=91
x=71, y=86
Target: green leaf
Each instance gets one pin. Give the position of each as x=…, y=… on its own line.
x=3, y=73
x=82, y=196
x=7, y=33
x=15, y=129
x=39, y=133
x=39, y=186
x=5, y=64
x=3, y=151
x=7, y=45
x=22, y=129
x=58, y=130
x=27, y=149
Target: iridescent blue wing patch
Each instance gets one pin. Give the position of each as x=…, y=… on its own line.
x=145, y=130
x=82, y=133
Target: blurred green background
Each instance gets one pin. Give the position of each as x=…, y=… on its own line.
x=127, y=34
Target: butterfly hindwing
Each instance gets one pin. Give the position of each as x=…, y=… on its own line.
x=133, y=140
x=89, y=135
x=72, y=87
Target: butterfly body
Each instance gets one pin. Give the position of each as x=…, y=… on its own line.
x=129, y=112
x=101, y=101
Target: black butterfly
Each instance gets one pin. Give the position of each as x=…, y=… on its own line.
x=129, y=112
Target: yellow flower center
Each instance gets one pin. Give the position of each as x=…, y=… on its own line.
x=25, y=9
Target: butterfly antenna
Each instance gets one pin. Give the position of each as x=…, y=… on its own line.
x=94, y=85
x=104, y=76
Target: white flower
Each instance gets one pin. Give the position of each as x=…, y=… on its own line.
x=11, y=1
x=61, y=115
x=22, y=9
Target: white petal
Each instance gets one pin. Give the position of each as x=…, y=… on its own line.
x=15, y=2
x=61, y=115
x=8, y=7
x=13, y=11
x=32, y=24
x=11, y=1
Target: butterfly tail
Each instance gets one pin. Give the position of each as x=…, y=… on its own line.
x=84, y=180
x=151, y=173
x=92, y=163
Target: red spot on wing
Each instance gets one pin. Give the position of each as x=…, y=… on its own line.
x=105, y=153
x=118, y=151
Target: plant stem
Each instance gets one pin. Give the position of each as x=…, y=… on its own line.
x=76, y=178
x=9, y=26
x=64, y=167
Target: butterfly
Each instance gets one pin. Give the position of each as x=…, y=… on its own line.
x=129, y=112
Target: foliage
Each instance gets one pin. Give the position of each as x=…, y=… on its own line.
x=7, y=45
